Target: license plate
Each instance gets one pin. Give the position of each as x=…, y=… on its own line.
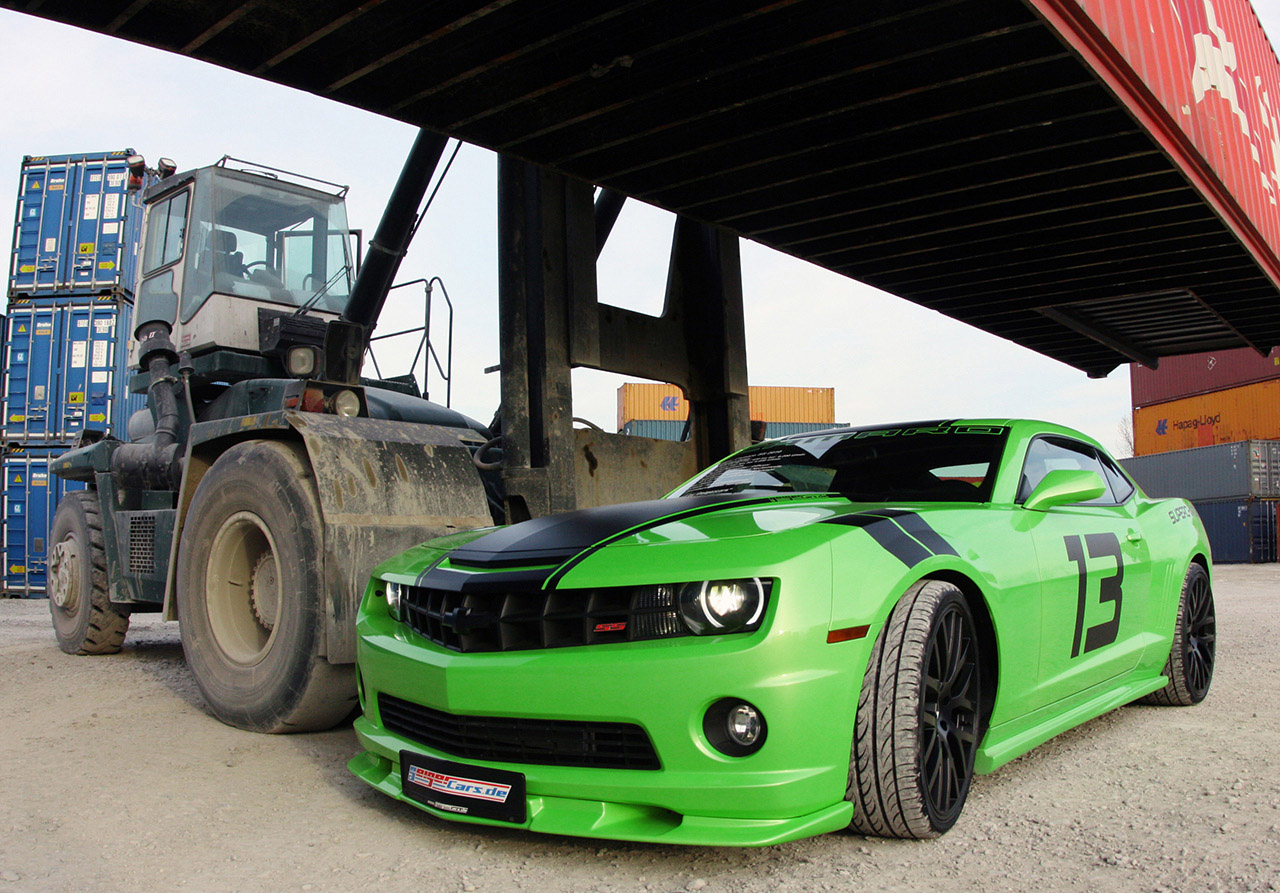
x=463, y=790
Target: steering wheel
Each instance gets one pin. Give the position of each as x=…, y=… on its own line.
x=254, y=263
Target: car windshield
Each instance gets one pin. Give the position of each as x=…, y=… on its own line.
x=931, y=462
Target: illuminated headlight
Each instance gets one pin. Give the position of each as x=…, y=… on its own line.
x=346, y=403
x=394, y=593
x=301, y=361
x=722, y=606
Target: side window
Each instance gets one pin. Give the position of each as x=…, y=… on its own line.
x=1048, y=454
x=1121, y=486
x=166, y=231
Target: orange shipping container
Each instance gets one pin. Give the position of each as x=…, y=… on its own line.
x=768, y=404
x=1251, y=412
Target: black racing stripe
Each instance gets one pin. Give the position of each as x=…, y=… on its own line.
x=485, y=583
x=569, y=565
x=920, y=529
x=888, y=534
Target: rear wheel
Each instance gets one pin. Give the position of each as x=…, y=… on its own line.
x=1189, y=668
x=84, y=620
x=917, y=729
x=251, y=594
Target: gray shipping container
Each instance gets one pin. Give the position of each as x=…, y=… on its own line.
x=1248, y=468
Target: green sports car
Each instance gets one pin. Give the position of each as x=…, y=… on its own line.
x=831, y=630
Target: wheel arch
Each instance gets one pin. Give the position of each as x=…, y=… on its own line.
x=199, y=460
x=988, y=651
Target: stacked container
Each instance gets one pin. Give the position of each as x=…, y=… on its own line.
x=75, y=250
x=660, y=410
x=1234, y=486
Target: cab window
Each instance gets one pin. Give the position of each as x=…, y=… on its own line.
x=166, y=232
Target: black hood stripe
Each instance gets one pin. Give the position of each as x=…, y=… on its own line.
x=573, y=562
x=905, y=535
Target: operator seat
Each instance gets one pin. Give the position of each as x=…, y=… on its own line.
x=226, y=260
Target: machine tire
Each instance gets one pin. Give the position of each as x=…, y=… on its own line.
x=84, y=620
x=250, y=594
x=915, y=740
x=1189, y=667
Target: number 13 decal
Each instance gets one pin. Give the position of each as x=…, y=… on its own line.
x=1100, y=545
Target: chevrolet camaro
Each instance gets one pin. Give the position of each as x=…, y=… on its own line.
x=825, y=631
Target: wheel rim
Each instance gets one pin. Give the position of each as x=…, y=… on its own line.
x=1201, y=634
x=64, y=575
x=949, y=711
x=242, y=589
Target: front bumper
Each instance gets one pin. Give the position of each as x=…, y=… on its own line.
x=792, y=787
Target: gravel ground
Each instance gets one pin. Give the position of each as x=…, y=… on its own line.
x=114, y=778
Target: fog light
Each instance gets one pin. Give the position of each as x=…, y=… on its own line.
x=734, y=727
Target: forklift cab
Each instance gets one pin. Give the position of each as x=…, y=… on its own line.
x=222, y=242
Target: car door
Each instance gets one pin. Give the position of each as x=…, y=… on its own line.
x=1095, y=575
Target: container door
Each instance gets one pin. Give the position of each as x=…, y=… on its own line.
x=53, y=261
x=94, y=347
x=42, y=208
x=15, y=525
x=97, y=222
x=34, y=356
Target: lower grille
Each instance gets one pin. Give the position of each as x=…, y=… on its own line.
x=548, y=742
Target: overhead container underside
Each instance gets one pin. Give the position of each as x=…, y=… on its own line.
x=965, y=154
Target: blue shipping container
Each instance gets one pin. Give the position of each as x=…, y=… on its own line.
x=77, y=226
x=1241, y=530
x=31, y=498
x=67, y=369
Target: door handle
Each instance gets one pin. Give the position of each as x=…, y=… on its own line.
x=1134, y=536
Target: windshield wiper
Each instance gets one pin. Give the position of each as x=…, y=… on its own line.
x=311, y=302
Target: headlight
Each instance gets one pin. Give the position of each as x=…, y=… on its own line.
x=722, y=606
x=394, y=592
x=300, y=361
x=346, y=403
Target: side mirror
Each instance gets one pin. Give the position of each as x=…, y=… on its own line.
x=1065, y=487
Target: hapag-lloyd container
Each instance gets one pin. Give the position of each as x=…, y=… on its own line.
x=1200, y=373
x=1248, y=469
x=651, y=401
x=1251, y=412
x=77, y=226
x=67, y=368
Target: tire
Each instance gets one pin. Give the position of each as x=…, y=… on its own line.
x=251, y=590
x=915, y=739
x=84, y=620
x=1189, y=668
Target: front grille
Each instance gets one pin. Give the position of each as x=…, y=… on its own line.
x=142, y=544
x=520, y=621
x=599, y=745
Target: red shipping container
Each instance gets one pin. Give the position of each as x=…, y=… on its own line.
x=1207, y=68
x=1200, y=373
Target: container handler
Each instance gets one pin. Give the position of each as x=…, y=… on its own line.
x=266, y=478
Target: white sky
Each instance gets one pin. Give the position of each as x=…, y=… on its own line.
x=68, y=90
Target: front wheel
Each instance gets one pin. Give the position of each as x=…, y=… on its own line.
x=84, y=620
x=919, y=714
x=1189, y=668
x=251, y=594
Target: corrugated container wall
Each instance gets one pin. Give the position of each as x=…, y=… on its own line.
x=31, y=498
x=1210, y=65
x=67, y=369
x=1200, y=373
x=673, y=429
x=770, y=404
x=1241, y=530
x=1251, y=412
x=77, y=226
x=1249, y=469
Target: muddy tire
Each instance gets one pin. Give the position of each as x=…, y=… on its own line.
x=84, y=620
x=919, y=714
x=250, y=594
x=1189, y=668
